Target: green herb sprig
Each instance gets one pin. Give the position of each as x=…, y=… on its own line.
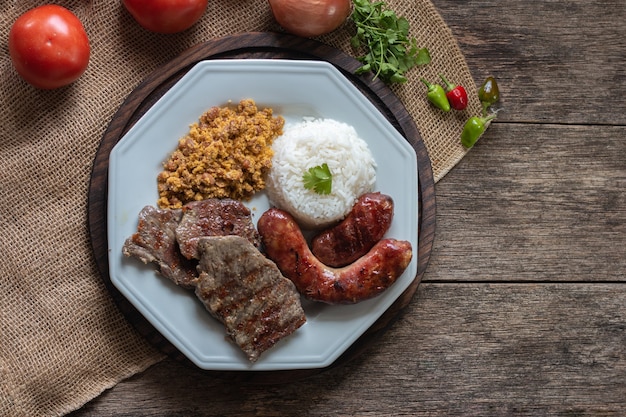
x=390, y=52
x=318, y=179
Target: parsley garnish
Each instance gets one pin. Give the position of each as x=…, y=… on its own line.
x=385, y=37
x=319, y=179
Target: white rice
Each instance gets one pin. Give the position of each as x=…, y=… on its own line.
x=312, y=143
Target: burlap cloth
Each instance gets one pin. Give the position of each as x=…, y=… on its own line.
x=62, y=339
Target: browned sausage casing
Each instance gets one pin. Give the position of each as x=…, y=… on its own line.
x=366, y=224
x=366, y=278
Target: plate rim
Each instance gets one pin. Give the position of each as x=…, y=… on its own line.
x=268, y=69
x=267, y=45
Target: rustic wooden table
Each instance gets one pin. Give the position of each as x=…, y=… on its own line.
x=522, y=310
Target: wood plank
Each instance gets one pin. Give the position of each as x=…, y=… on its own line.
x=556, y=61
x=459, y=349
x=536, y=203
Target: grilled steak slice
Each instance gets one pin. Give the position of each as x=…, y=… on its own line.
x=213, y=217
x=155, y=241
x=246, y=292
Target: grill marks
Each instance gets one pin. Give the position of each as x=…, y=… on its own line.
x=155, y=242
x=220, y=260
x=213, y=217
x=247, y=293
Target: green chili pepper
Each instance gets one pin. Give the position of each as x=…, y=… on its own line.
x=488, y=93
x=437, y=95
x=474, y=127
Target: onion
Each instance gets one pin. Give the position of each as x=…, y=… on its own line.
x=308, y=18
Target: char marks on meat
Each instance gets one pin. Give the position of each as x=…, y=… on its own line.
x=214, y=217
x=237, y=284
x=155, y=241
x=247, y=293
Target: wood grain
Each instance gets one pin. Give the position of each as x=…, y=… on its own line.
x=468, y=364
x=556, y=61
x=534, y=208
x=522, y=310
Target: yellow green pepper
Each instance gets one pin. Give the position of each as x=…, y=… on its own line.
x=488, y=93
x=437, y=95
x=473, y=129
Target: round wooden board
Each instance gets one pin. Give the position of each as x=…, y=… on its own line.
x=260, y=46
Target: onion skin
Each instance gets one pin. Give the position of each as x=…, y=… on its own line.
x=309, y=18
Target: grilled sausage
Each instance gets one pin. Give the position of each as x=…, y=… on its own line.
x=366, y=278
x=366, y=224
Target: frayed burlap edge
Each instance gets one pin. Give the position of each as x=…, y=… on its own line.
x=63, y=341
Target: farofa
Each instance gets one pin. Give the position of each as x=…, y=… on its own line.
x=227, y=154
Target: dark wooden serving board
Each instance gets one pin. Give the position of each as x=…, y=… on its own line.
x=265, y=46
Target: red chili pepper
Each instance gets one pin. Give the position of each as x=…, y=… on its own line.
x=456, y=95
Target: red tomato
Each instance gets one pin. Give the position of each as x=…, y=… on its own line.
x=166, y=16
x=49, y=47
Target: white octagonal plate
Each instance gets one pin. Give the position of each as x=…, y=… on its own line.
x=295, y=90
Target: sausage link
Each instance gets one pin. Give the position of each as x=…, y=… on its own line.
x=366, y=224
x=366, y=278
